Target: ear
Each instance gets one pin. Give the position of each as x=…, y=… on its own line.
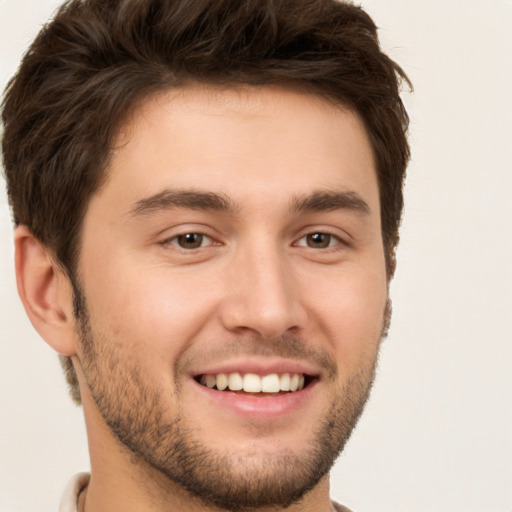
x=45, y=291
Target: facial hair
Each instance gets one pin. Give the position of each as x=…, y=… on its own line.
x=142, y=421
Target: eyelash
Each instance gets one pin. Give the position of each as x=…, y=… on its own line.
x=330, y=246
x=174, y=240
x=331, y=236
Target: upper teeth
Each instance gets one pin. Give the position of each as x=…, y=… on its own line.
x=253, y=383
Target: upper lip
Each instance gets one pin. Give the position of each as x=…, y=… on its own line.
x=257, y=366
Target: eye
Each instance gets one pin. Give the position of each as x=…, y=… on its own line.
x=319, y=240
x=190, y=240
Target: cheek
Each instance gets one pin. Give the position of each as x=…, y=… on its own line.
x=349, y=311
x=152, y=308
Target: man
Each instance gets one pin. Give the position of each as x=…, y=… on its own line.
x=207, y=198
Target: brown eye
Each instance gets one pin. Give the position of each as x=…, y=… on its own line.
x=319, y=240
x=190, y=240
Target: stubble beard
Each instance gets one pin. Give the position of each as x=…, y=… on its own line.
x=138, y=416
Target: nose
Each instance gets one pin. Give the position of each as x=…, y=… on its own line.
x=262, y=295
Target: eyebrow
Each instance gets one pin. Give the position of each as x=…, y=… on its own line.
x=321, y=201
x=324, y=201
x=191, y=199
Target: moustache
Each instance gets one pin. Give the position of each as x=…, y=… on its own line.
x=287, y=347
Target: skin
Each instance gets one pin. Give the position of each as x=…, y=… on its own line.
x=258, y=291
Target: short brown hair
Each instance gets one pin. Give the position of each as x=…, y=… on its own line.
x=90, y=66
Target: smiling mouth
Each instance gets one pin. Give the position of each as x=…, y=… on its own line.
x=273, y=383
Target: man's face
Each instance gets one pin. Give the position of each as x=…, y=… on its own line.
x=235, y=243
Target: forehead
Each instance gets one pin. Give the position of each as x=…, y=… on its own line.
x=240, y=142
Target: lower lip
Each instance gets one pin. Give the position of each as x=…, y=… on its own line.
x=254, y=407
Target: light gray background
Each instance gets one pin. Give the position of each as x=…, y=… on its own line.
x=436, y=435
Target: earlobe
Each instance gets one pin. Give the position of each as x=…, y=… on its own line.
x=45, y=291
